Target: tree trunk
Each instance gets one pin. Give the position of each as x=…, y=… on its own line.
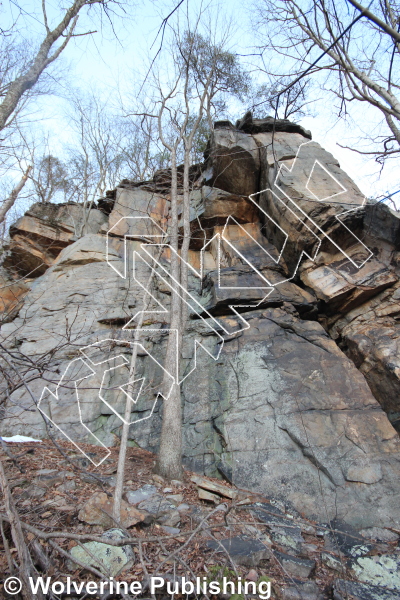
x=10, y=201
x=128, y=407
x=169, y=462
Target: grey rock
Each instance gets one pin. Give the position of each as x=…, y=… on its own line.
x=289, y=537
x=347, y=539
x=294, y=566
x=377, y=533
x=110, y=560
x=170, y=519
x=176, y=499
x=183, y=507
x=351, y=590
x=156, y=504
x=295, y=404
x=143, y=493
x=332, y=562
x=250, y=125
x=170, y=530
x=242, y=550
x=307, y=590
x=34, y=491
x=378, y=570
x=163, y=511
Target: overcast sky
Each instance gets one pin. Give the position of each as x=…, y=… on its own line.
x=111, y=64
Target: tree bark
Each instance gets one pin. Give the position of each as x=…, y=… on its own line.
x=25, y=82
x=10, y=201
x=128, y=408
x=169, y=461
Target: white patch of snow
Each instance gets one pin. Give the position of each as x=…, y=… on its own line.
x=19, y=438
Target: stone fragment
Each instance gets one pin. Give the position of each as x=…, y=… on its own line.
x=242, y=550
x=378, y=570
x=34, y=491
x=352, y=590
x=176, y=499
x=307, y=590
x=110, y=560
x=252, y=575
x=98, y=511
x=205, y=495
x=377, y=533
x=290, y=537
x=297, y=567
x=183, y=507
x=170, y=519
x=67, y=486
x=170, y=530
x=176, y=483
x=213, y=486
x=332, y=562
x=162, y=511
x=143, y=493
x=347, y=539
x=158, y=479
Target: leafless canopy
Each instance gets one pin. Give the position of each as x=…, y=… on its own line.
x=359, y=66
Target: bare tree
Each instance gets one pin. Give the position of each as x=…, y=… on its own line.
x=10, y=201
x=205, y=72
x=355, y=54
x=49, y=177
x=287, y=105
x=53, y=43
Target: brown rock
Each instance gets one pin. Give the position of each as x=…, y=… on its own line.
x=38, y=237
x=204, y=495
x=12, y=294
x=98, y=510
x=233, y=163
x=213, y=486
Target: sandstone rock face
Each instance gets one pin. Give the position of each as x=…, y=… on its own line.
x=294, y=298
x=38, y=237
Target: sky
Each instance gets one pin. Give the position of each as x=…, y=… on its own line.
x=113, y=64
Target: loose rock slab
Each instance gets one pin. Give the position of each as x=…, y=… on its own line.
x=110, y=560
x=243, y=551
x=98, y=511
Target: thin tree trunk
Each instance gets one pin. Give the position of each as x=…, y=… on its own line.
x=10, y=201
x=128, y=405
x=41, y=61
x=186, y=237
x=169, y=461
x=26, y=568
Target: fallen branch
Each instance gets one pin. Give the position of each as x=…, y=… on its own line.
x=26, y=568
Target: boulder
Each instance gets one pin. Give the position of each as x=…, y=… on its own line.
x=242, y=550
x=12, y=294
x=110, y=560
x=38, y=237
x=253, y=126
x=98, y=511
x=289, y=396
x=378, y=570
x=296, y=567
x=143, y=493
x=233, y=162
x=352, y=590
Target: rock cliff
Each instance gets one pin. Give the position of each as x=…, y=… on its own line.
x=298, y=394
